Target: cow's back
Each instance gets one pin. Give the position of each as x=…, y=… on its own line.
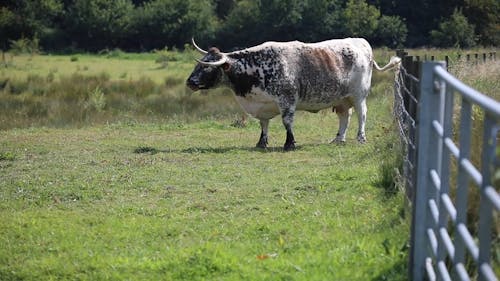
x=327, y=72
x=320, y=74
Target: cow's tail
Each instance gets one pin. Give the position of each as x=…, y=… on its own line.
x=394, y=62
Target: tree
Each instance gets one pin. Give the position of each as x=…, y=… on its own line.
x=172, y=23
x=485, y=15
x=421, y=16
x=26, y=19
x=98, y=24
x=223, y=7
x=454, y=32
x=8, y=27
x=361, y=19
x=253, y=22
x=391, y=32
x=321, y=20
x=241, y=27
x=280, y=18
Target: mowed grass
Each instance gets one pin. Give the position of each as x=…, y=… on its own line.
x=156, y=195
x=118, y=66
x=197, y=202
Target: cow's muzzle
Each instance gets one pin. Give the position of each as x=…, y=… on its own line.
x=193, y=85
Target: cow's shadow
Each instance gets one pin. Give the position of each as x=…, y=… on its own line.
x=213, y=150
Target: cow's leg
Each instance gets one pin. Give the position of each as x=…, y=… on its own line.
x=361, y=109
x=264, y=125
x=287, y=115
x=344, y=114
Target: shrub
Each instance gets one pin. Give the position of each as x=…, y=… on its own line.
x=361, y=18
x=96, y=99
x=25, y=46
x=454, y=32
x=391, y=31
x=97, y=24
x=161, y=23
x=165, y=56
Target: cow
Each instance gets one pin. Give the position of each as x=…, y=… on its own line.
x=283, y=77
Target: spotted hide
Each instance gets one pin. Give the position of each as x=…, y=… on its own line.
x=283, y=77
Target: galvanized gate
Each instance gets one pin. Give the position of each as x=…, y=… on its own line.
x=440, y=237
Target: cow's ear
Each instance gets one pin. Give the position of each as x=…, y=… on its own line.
x=226, y=67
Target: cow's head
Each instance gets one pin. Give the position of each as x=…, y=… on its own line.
x=209, y=71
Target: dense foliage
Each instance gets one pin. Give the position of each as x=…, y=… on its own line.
x=154, y=24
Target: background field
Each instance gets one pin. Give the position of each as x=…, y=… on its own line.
x=112, y=170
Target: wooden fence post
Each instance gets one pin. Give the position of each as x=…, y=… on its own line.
x=401, y=53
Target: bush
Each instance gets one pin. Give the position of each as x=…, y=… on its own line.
x=454, y=32
x=172, y=23
x=361, y=19
x=391, y=32
x=25, y=46
x=165, y=56
x=253, y=22
x=99, y=24
x=96, y=100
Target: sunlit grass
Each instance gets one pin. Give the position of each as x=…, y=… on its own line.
x=199, y=203
x=118, y=68
x=111, y=169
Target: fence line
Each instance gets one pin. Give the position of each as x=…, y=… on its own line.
x=441, y=244
x=469, y=58
x=406, y=97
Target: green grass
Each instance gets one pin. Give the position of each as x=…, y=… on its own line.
x=196, y=201
x=111, y=170
x=122, y=66
x=78, y=90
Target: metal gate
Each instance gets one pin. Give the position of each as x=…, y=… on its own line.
x=440, y=237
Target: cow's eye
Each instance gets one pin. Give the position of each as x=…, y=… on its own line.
x=207, y=69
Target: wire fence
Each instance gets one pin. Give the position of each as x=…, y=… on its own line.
x=442, y=245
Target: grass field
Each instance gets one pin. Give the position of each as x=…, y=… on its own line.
x=197, y=202
x=111, y=170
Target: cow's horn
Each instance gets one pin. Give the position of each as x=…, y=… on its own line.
x=220, y=62
x=198, y=48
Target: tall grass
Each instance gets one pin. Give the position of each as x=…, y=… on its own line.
x=84, y=97
x=485, y=78
x=80, y=89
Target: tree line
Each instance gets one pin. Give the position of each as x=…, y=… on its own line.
x=143, y=25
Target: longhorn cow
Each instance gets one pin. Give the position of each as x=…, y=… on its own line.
x=282, y=77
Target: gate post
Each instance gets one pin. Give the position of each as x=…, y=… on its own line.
x=428, y=110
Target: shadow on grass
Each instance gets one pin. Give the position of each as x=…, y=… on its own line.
x=399, y=271
x=215, y=150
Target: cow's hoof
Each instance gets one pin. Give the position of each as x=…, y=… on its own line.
x=261, y=145
x=289, y=146
x=338, y=141
x=362, y=139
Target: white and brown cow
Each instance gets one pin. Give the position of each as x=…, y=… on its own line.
x=282, y=77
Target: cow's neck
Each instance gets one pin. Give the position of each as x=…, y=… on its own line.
x=242, y=79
